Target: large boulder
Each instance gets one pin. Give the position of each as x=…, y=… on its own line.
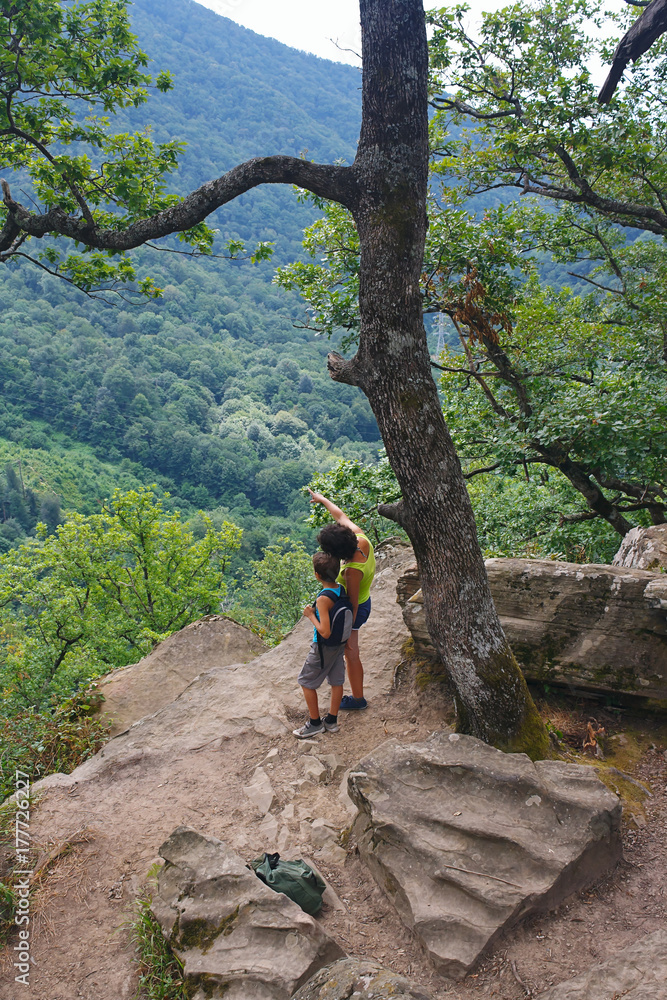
x=147, y=686
x=361, y=979
x=595, y=628
x=466, y=840
x=644, y=548
x=235, y=937
x=638, y=972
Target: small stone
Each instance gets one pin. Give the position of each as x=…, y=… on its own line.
x=322, y=832
x=260, y=790
x=268, y=831
x=332, y=854
x=335, y=765
x=361, y=979
x=344, y=797
x=305, y=786
x=314, y=769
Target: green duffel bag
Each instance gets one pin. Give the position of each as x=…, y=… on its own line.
x=295, y=879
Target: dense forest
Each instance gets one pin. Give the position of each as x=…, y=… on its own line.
x=215, y=391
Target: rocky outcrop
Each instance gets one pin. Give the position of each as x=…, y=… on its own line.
x=188, y=764
x=635, y=973
x=596, y=628
x=143, y=688
x=235, y=936
x=467, y=840
x=644, y=548
x=361, y=979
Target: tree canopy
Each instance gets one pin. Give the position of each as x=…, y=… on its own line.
x=521, y=92
x=531, y=376
x=101, y=591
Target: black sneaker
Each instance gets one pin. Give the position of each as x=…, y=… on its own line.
x=351, y=704
x=310, y=729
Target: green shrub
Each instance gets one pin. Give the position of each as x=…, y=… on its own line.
x=275, y=593
x=7, y=911
x=41, y=743
x=160, y=972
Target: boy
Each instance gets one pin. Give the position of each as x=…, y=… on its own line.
x=325, y=661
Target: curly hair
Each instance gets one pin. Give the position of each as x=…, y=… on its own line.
x=338, y=540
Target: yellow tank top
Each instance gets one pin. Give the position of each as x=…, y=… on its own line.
x=367, y=570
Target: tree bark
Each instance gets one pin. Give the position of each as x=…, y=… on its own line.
x=392, y=367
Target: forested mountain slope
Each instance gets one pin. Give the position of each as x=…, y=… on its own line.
x=237, y=95
x=212, y=391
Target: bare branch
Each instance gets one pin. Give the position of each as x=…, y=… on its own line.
x=92, y=293
x=478, y=472
x=341, y=48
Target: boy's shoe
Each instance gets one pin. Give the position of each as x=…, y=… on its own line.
x=350, y=704
x=331, y=727
x=308, y=730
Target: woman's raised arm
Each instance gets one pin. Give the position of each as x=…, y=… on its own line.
x=338, y=515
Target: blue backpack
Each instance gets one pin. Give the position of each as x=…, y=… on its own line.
x=340, y=617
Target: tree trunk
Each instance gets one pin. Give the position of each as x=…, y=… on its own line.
x=393, y=369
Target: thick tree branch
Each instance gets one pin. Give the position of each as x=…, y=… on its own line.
x=478, y=472
x=638, y=39
x=342, y=370
x=333, y=182
x=394, y=512
x=10, y=232
x=580, y=478
x=638, y=491
x=442, y=103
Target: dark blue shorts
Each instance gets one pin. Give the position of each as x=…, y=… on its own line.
x=363, y=611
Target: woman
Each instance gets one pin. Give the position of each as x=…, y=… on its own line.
x=347, y=542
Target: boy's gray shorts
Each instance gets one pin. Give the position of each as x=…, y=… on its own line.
x=312, y=675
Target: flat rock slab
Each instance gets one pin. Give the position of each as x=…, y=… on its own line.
x=358, y=978
x=635, y=973
x=466, y=840
x=145, y=687
x=235, y=937
x=601, y=629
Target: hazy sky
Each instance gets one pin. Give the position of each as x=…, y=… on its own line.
x=310, y=24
